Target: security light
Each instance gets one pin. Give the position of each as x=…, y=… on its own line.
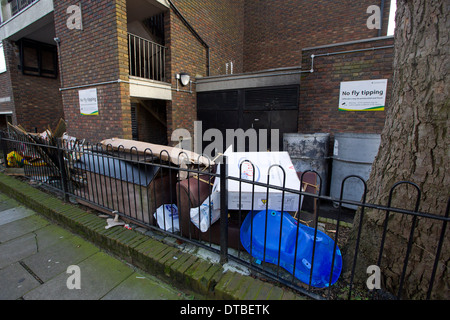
x=184, y=78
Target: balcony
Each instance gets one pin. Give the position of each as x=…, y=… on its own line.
x=19, y=5
x=11, y=8
x=31, y=19
x=147, y=61
x=147, y=58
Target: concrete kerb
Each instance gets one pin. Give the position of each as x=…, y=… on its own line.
x=184, y=269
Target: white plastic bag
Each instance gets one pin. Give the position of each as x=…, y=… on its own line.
x=201, y=214
x=164, y=216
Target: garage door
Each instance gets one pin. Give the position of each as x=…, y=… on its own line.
x=258, y=108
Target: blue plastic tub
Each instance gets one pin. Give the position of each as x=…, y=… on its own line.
x=253, y=232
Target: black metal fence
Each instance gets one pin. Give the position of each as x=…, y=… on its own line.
x=305, y=247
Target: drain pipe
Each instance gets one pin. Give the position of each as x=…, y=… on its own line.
x=58, y=45
x=381, y=17
x=192, y=30
x=344, y=52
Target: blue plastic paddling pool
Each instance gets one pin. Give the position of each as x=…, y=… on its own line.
x=256, y=232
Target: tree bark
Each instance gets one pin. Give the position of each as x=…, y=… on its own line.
x=414, y=147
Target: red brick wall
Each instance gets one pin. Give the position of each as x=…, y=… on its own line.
x=185, y=54
x=37, y=100
x=96, y=54
x=219, y=23
x=5, y=85
x=276, y=31
x=319, y=91
x=149, y=128
x=254, y=35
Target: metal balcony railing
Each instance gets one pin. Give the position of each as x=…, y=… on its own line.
x=147, y=59
x=19, y=5
x=13, y=7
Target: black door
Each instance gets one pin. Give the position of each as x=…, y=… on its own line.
x=257, y=108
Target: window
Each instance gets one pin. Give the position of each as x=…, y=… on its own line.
x=38, y=59
x=2, y=59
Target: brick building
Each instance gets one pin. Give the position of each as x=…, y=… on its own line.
x=319, y=93
x=249, y=63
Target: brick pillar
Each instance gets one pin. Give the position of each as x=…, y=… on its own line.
x=122, y=45
x=95, y=57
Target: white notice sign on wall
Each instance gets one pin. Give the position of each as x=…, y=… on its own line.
x=88, y=102
x=368, y=95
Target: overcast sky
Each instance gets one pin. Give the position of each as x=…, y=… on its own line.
x=391, y=24
x=2, y=59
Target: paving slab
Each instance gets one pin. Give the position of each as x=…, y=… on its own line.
x=35, y=255
x=143, y=287
x=7, y=203
x=54, y=259
x=13, y=214
x=99, y=274
x=15, y=281
x=48, y=235
x=17, y=249
x=18, y=228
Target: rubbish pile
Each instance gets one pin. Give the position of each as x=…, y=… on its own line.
x=15, y=159
x=138, y=181
x=37, y=153
x=31, y=150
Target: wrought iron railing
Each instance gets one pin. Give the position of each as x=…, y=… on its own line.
x=19, y=5
x=136, y=183
x=147, y=59
x=13, y=7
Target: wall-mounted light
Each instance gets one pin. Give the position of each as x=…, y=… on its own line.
x=185, y=79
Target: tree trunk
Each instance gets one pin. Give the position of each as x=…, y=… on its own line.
x=414, y=147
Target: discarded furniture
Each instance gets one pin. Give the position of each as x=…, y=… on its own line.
x=310, y=184
x=191, y=193
x=135, y=190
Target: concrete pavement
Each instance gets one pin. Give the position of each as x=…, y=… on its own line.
x=35, y=256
